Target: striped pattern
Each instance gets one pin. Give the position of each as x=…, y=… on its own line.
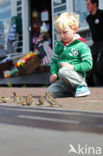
x=49, y=52
x=86, y=56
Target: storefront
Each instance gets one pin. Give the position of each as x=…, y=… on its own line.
x=59, y=6
x=37, y=15
x=38, y=18
x=54, y=8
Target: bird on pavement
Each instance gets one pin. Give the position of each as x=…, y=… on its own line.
x=16, y=97
x=27, y=101
x=5, y=99
x=52, y=100
x=43, y=102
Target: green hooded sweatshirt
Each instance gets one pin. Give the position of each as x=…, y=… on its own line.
x=76, y=53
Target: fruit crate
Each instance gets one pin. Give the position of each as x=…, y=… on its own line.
x=31, y=65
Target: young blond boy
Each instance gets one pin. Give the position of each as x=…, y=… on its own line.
x=70, y=61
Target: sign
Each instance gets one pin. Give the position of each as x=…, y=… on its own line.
x=45, y=15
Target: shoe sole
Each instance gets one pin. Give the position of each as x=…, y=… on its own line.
x=82, y=94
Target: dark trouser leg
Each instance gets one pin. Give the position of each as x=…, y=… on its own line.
x=98, y=79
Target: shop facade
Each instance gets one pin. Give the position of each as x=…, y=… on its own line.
x=77, y=6
x=37, y=15
x=54, y=8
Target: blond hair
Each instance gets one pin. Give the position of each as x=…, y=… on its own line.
x=66, y=20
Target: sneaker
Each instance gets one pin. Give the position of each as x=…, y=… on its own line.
x=82, y=91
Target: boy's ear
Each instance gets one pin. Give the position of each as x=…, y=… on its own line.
x=75, y=29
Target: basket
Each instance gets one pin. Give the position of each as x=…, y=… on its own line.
x=30, y=66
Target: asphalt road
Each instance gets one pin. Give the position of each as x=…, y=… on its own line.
x=48, y=132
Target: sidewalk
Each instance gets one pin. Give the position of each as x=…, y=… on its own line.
x=94, y=102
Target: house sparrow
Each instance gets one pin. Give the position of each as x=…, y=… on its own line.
x=41, y=100
x=16, y=97
x=52, y=100
x=5, y=99
x=23, y=102
x=27, y=101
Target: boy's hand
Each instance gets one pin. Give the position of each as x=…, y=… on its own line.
x=65, y=64
x=53, y=78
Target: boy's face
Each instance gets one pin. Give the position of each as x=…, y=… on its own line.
x=67, y=35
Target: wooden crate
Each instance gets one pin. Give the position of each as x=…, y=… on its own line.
x=30, y=66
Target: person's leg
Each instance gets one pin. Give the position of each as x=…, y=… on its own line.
x=75, y=80
x=96, y=49
x=71, y=77
x=98, y=79
x=60, y=89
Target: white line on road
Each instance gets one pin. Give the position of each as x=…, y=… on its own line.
x=56, y=111
x=49, y=119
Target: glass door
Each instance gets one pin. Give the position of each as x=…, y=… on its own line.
x=58, y=7
x=80, y=8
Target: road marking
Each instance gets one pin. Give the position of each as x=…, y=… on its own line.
x=56, y=111
x=49, y=119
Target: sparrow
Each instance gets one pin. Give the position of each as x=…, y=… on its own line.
x=16, y=98
x=5, y=99
x=23, y=102
x=43, y=102
x=27, y=101
x=52, y=100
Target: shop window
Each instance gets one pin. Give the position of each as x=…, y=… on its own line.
x=40, y=22
x=58, y=7
x=5, y=19
x=19, y=3
x=80, y=8
x=58, y=2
